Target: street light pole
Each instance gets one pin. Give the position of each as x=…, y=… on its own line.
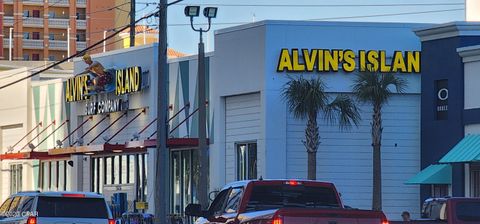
x=162, y=171
x=209, y=12
x=10, y=44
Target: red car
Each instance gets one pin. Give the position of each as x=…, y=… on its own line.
x=281, y=202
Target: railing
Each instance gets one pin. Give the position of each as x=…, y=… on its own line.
x=82, y=24
x=32, y=21
x=32, y=44
x=58, y=45
x=6, y=42
x=33, y=1
x=60, y=23
x=82, y=3
x=8, y=20
x=81, y=45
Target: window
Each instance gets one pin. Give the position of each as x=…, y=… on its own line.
x=439, y=190
x=233, y=200
x=35, y=57
x=26, y=57
x=5, y=206
x=51, y=36
x=36, y=35
x=51, y=58
x=66, y=207
x=26, y=35
x=468, y=211
x=36, y=13
x=15, y=178
x=216, y=208
x=26, y=13
x=246, y=161
x=51, y=14
x=474, y=180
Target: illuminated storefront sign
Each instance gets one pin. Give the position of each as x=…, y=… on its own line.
x=323, y=60
x=128, y=80
x=121, y=81
x=105, y=106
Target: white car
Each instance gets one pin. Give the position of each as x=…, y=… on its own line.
x=36, y=207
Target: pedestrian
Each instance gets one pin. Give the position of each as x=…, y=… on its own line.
x=406, y=217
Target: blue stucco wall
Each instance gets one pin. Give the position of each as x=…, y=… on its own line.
x=440, y=60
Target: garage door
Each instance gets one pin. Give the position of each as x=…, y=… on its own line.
x=242, y=117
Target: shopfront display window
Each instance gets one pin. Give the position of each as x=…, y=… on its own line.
x=475, y=180
x=246, y=161
x=185, y=174
x=16, y=178
x=119, y=170
x=54, y=175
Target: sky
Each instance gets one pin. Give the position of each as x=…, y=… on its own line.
x=232, y=13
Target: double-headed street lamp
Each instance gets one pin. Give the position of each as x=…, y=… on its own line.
x=209, y=13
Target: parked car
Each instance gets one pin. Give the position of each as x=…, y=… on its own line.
x=449, y=211
x=281, y=202
x=54, y=208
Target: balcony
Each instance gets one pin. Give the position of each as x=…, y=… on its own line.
x=31, y=2
x=82, y=24
x=33, y=22
x=5, y=42
x=8, y=20
x=58, y=23
x=81, y=45
x=58, y=45
x=32, y=44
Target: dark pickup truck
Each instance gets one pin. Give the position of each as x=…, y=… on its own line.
x=281, y=202
x=449, y=211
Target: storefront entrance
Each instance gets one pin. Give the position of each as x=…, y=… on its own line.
x=184, y=179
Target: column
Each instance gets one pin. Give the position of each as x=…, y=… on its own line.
x=46, y=40
x=73, y=26
x=2, y=13
x=18, y=30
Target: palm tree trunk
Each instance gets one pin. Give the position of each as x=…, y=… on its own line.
x=377, y=160
x=312, y=140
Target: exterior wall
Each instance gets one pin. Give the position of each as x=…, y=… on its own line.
x=436, y=142
x=249, y=66
x=242, y=124
x=99, y=22
x=14, y=124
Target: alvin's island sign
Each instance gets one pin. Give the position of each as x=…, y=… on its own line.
x=327, y=60
x=95, y=79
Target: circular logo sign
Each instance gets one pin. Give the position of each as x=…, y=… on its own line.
x=442, y=94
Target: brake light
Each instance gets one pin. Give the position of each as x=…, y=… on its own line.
x=293, y=183
x=32, y=220
x=111, y=221
x=277, y=220
x=74, y=195
x=385, y=222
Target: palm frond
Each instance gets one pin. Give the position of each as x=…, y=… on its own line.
x=375, y=87
x=304, y=96
x=344, y=111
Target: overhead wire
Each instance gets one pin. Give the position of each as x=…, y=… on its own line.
x=330, y=5
x=74, y=55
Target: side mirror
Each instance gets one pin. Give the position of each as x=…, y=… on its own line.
x=194, y=210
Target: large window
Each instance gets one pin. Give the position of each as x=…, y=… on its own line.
x=475, y=180
x=184, y=178
x=54, y=175
x=15, y=178
x=246, y=161
x=120, y=169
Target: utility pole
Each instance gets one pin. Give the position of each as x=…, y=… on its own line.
x=162, y=171
x=132, y=23
x=68, y=42
x=10, y=44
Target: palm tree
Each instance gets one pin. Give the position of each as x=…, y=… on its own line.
x=305, y=98
x=376, y=88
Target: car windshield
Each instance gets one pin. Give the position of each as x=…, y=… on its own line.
x=72, y=207
x=265, y=197
x=468, y=211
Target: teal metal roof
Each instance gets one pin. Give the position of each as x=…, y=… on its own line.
x=433, y=174
x=467, y=150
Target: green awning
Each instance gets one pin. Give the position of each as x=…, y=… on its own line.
x=433, y=174
x=467, y=150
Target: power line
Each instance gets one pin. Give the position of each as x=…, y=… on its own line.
x=329, y=5
x=331, y=18
x=74, y=55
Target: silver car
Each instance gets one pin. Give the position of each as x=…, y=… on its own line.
x=55, y=207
